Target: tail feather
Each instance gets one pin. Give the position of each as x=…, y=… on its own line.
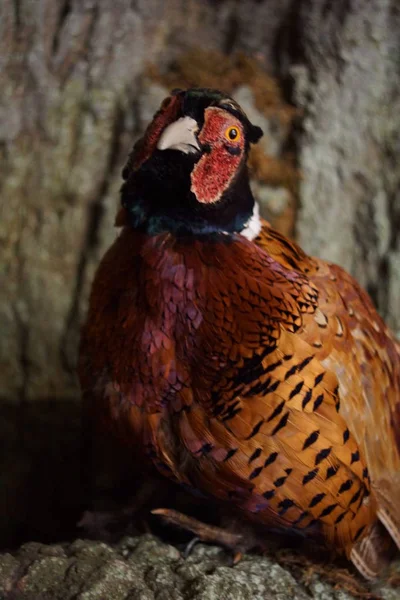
x=388, y=496
x=371, y=555
x=391, y=523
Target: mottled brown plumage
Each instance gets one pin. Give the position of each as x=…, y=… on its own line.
x=246, y=370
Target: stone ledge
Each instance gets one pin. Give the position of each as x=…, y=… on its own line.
x=144, y=568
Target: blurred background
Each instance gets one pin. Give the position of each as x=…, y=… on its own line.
x=79, y=80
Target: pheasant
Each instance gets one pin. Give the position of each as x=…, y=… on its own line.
x=237, y=365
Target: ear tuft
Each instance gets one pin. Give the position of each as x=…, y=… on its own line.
x=255, y=134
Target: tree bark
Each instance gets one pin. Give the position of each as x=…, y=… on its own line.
x=74, y=96
x=346, y=72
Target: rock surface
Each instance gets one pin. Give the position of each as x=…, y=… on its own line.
x=144, y=568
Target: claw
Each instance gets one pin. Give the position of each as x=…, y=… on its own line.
x=237, y=557
x=189, y=547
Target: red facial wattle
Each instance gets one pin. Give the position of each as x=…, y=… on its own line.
x=216, y=169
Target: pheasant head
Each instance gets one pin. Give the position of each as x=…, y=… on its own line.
x=188, y=172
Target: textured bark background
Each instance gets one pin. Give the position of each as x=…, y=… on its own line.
x=75, y=92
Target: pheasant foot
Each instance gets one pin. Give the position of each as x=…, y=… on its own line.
x=204, y=532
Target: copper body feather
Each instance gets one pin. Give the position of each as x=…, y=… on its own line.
x=254, y=374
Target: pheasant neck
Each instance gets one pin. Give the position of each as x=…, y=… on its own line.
x=155, y=208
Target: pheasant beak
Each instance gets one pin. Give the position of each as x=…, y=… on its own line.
x=180, y=135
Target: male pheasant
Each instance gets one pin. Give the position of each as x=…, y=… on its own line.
x=235, y=363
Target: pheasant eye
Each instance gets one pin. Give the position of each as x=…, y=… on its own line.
x=232, y=134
